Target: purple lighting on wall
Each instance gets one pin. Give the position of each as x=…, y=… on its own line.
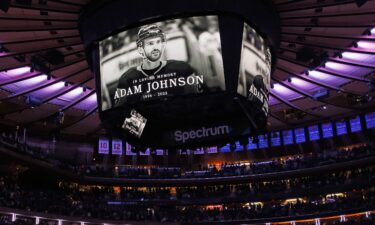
x=18, y=71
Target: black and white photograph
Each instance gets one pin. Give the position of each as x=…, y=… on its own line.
x=160, y=60
x=255, y=69
x=135, y=124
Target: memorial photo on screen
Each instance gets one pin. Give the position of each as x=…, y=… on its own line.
x=135, y=123
x=164, y=59
x=255, y=69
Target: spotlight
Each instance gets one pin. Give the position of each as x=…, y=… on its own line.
x=289, y=79
x=355, y=44
x=306, y=72
x=66, y=83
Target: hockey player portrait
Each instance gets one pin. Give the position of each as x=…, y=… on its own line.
x=255, y=69
x=153, y=75
x=160, y=60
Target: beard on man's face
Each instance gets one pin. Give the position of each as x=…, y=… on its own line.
x=154, y=55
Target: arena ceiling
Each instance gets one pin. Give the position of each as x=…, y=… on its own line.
x=341, y=32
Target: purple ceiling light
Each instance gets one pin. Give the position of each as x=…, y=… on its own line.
x=20, y=86
x=334, y=80
x=336, y=66
x=285, y=92
x=46, y=92
x=358, y=56
x=366, y=45
x=88, y=103
x=304, y=85
x=18, y=71
x=71, y=95
x=272, y=101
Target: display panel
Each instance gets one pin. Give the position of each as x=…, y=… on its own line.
x=314, y=133
x=103, y=147
x=199, y=151
x=160, y=81
x=355, y=124
x=251, y=145
x=212, y=150
x=146, y=152
x=275, y=139
x=160, y=151
x=341, y=128
x=370, y=120
x=225, y=148
x=159, y=60
x=288, y=137
x=300, y=135
x=239, y=147
x=263, y=141
x=255, y=69
x=327, y=130
x=116, y=147
x=130, y=151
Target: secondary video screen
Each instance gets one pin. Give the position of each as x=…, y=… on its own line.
x=163, y=59
x=255, y=69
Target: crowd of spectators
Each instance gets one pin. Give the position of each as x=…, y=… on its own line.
x=227, y=169
x=139, y=204
x=107, y=203
x=316, y=159
x=370, y=220
x=273, y=209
